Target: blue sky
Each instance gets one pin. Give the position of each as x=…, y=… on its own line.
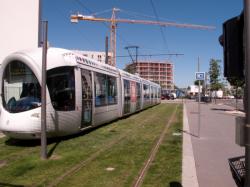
x=150, y=38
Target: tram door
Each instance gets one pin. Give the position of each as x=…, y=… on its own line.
x=138, y=95
x=86, y=98
x=126, y=108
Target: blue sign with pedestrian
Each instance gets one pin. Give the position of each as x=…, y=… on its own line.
x=200, y=76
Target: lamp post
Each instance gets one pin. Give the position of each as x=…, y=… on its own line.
x=43, y=108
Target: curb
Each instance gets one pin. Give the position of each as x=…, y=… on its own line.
x=189, y=176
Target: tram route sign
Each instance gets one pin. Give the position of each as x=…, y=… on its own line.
x=200, y=76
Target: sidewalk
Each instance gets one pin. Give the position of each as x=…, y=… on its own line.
x=215, y=145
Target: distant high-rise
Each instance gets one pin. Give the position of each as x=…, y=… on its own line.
x=157, y=71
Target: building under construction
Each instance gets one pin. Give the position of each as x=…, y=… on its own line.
x=157, y=71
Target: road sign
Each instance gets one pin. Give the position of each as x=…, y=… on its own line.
x=200, y=76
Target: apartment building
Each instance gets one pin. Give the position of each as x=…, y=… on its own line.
x=156, y=71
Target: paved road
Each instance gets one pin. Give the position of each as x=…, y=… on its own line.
x=215, y=145
x=228, y=102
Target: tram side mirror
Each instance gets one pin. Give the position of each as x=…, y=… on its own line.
x=233, y=47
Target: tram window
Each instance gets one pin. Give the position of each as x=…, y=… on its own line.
x=152, y=92
x=112, y=90
x=138, y=95
x=146, y=91
x=127, y=98
x=105, y=90
x=138, y=90
x=61, y=85
x=100, y=89
x=127, y=90
x=21, y=89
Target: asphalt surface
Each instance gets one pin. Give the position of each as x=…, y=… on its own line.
x=215, y=144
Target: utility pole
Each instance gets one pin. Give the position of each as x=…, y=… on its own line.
x=40, y=24
x=205, y=84
x=106, y=50
x=199, y=100
x=43, y=108
x=247, y=89
x=136, y=53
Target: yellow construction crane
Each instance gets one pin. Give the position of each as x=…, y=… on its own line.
x=113, y=25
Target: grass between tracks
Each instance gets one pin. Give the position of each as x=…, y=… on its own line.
x=112, y=155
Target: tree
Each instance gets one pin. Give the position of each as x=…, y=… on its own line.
x=196, y=82
x=236, y=82
x=214, y=74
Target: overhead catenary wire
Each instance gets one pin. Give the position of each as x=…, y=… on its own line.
x=161, y=29
x=62, y=14
x=114, y=22
x=82, y=5
x=104, y=23
x=139, y=15
x=101, y=12
x=89, y=11
x=136, y=14
x=150, y=55
x=131, y=13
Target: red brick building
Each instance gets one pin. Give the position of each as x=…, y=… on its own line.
x=156, y=71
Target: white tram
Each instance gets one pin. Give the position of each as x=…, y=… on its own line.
x=81, y=93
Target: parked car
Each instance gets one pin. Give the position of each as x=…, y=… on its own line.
x=229, y=97
x=168, y=96
x=173, y=95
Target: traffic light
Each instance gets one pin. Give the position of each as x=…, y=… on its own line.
x=232, y=42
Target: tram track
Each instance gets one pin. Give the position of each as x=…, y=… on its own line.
x=118, y=134
x=19, y=154
x=12, y=155
x=108, y=146
x=139, y=180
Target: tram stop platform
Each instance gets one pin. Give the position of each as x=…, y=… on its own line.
x=205, y=155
